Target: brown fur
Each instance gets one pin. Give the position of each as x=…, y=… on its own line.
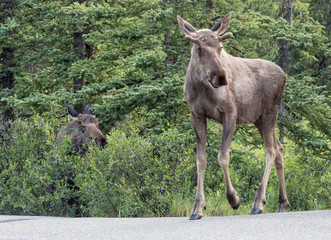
x=83, y=131
x=232, y=91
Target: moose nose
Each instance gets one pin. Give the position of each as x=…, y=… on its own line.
x=211, y=79
x=217, y=79
x=103, y=142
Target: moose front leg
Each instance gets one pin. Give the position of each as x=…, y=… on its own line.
x=200, y=127
x=229, y=126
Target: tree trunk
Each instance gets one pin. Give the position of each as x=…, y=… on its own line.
x=286, y=12
x=7, y=60
x=79, y=51
x=168, y=42
x=210, y=7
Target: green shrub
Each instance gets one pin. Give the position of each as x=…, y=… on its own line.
x=307, y=176
x=35, y=174
x=135, y=176
x=144, y=174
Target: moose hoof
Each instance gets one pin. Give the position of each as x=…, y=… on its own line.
x=256, y=211
x=195, y=216
x=236, y=207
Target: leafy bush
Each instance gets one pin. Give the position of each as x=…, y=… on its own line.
x=35, y=175
x=135, y=176
x=307, y=176
x=143, y=174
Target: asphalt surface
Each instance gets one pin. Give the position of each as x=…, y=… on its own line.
x=313, y=225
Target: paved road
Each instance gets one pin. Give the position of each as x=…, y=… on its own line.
x=313, y=225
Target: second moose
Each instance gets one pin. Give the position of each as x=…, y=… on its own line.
x=83, y=130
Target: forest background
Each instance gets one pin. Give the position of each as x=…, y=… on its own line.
x=128, y=60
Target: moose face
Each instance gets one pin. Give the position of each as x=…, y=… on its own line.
x=90, y=127
x=83, y=130
x=207, y=50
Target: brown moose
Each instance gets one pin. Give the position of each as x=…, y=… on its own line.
x=83, y=130
x=232, y=91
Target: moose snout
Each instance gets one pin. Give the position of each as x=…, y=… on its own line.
x=217, y=79
x=103, y=142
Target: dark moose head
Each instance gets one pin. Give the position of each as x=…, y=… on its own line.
x=83, y=130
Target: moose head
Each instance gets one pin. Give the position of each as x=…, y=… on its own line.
x=83, y=130
x=207, y=50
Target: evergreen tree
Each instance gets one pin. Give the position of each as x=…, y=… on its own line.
x=128, y=56
x=7, y=56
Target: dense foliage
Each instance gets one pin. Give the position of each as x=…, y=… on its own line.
x=139, y=175
x=128, y=60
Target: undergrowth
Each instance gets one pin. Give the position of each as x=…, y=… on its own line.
x=140, y=174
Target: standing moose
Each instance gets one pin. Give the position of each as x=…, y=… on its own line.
x=232, y=91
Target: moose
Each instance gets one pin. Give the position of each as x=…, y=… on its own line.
x=83, y=130
x=231, y=91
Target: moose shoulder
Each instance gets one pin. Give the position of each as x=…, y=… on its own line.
x=82, y=131
x=232, y=91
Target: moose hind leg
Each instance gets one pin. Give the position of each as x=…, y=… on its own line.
x=267, y=134
x=283, y=201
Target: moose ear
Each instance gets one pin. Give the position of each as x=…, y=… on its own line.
x=71, y=111
x=88, y=110
x=192, y=39
x=221, y=26
x=225, y=36
x=185, y=27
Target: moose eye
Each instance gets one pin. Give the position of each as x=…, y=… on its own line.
x=199, y=50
